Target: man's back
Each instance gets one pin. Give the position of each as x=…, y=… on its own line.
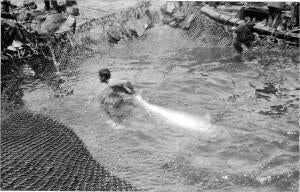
x=117, y=98
x=116, y=102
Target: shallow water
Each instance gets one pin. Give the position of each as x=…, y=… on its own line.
x=253, y=145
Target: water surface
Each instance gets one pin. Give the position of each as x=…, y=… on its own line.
x=253, y=145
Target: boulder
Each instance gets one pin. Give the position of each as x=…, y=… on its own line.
x=26, y=15
x=148, y=18
x=173, y=24
x=113, y=34
x=138, y=13
x=188, y=20
x=71, y=2
x=167, y=19
x=138, y=26
x=68, y=25
x=179, y=15
x=171, y=7
x=126, y=33
x=52, y=23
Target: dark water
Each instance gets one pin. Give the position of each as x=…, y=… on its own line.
x=253, y=145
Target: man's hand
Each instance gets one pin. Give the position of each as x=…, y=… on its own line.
x=129, y=88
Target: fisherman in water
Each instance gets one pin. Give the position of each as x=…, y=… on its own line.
x=243, y=34
x=117, y=100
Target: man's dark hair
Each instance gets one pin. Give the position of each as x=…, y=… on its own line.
x=104, y=73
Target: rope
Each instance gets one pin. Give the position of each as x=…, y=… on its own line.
x=94, y=9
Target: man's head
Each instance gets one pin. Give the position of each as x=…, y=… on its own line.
x=104, y=75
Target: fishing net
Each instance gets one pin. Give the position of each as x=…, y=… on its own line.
x=98, y=35
x=64, y=53
x=38, y=153
x=209, y=33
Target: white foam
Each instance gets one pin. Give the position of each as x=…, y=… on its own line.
x=177, y=118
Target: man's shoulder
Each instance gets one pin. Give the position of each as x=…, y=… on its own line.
x=117, y=82
x=122, y=86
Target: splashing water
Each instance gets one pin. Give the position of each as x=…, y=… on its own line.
x=177, y=118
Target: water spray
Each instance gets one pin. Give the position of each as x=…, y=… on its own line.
x=177, y=118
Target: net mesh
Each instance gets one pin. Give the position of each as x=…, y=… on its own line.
x=209, y=33
x=38, y=153
x=92, y=37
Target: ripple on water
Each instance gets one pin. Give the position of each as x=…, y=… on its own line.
x=253, y=147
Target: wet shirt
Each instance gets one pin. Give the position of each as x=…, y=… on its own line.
x=122, y=87
x=116, y=101
x=244, y=31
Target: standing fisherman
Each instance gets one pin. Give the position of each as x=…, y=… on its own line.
x=5, y=9
x=53, y=3
x=243, y=34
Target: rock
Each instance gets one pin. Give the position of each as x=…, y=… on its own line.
x=52, y=23
x=138, y=26
x=188, y=20
x=68, y=25
x=167, y=19
x=113, y=32
x=148, y=18
x=125, y=32
x=27, y=70
x=17, y=44
x=163, y=9
x=179, y=15
x=138, y=13
x=29, y=15
x=113, y=36
x=71, y=2
x=173, y=24
x=226, y=177
x=171, y=7
x=264, y=180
